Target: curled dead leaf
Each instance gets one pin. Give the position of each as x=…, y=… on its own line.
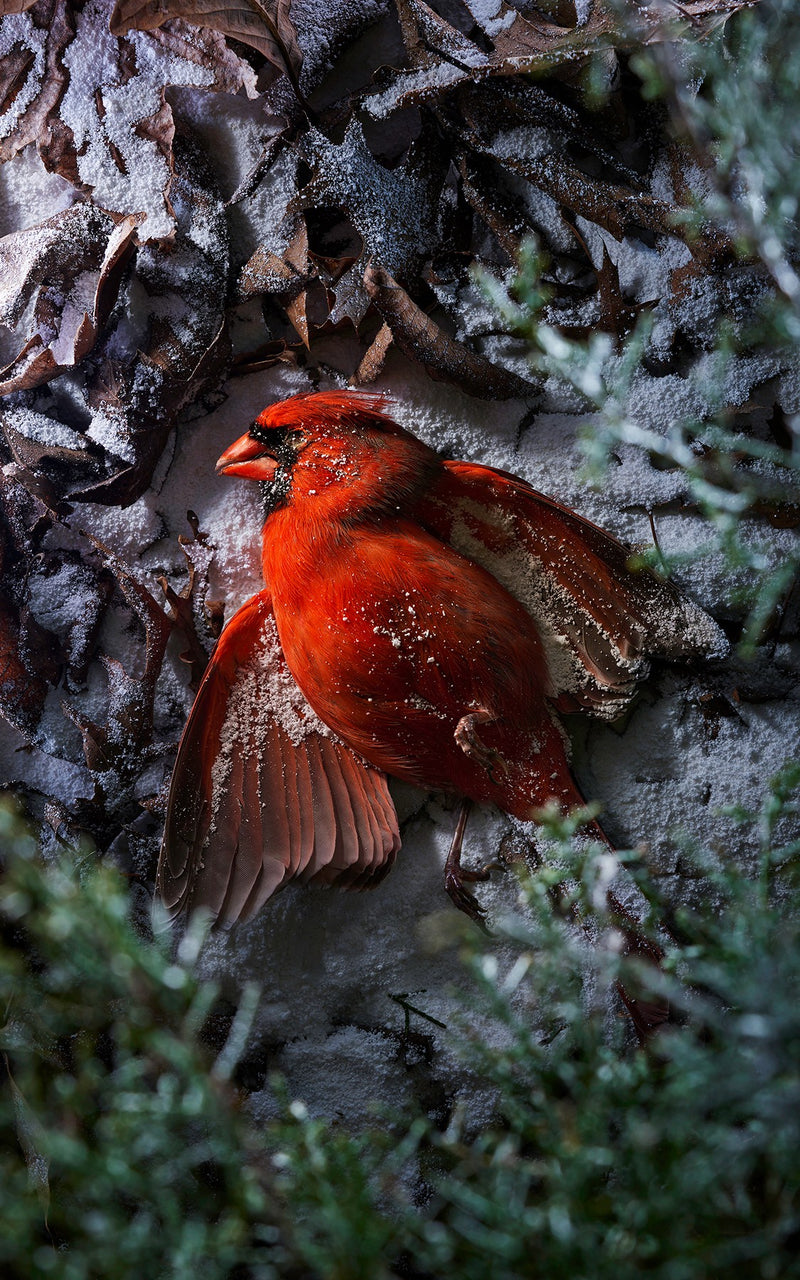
x=69, y=268
x=265, y=356
x=188, y=607
x=266, y=27
x=442, y=357
x=374, y=357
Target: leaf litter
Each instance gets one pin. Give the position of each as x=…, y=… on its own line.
x=384, y=154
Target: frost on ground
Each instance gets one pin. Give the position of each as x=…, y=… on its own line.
x=106, y=353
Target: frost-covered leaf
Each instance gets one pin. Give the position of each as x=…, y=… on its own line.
x=442, y=357
x=32, y=74
x=164, y=344
x=114, y=750
x=267, y=27
x=45, y=464
x=541, y=157
x=529, y=42
x=58, y=284
x=168, y=348
x=427, y=34
x=395, y=211
x=96, y=104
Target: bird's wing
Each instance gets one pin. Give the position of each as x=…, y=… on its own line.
x=599, y=619
x=261, y=792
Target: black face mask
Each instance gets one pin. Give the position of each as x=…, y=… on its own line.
x=282, y=444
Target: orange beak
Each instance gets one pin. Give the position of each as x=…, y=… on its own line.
x=247, y=457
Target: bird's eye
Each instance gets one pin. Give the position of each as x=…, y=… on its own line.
x=273, y=438
x=284, y=443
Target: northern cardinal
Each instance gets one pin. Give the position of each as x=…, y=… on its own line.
x=423, y=619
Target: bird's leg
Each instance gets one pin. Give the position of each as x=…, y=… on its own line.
x=467, y=738
x=456, y=876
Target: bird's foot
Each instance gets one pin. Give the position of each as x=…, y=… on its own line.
x=455, y=883
x=466, y=736
x=456, y=877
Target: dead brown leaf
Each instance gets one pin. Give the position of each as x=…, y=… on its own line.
x=70, y=267
x=373, y=359
x=188, y=608
x=502, y=213
x=265, y=356
x=442, y=357
x=428, y=37
x=28, y=115
x=296, y=259
x=266, y=27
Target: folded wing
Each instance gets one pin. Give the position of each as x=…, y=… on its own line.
x=600, y=620
x=262, y=793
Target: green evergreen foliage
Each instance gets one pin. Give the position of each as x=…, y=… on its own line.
x=122, y=1151
x=126, y=1152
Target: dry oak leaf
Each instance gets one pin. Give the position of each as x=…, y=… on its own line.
x=396, y=212
x=267, y=27
x=58, y=285
x=442, y=57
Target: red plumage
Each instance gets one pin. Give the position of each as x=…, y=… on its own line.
x=434, y=615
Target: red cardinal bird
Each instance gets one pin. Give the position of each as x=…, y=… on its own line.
x=423, y=619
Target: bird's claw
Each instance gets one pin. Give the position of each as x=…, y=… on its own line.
x=467, y=738
x=455, y=886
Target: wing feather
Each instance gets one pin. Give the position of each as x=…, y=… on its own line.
x=261, y=792
x=325, y=827
x=600, y=620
